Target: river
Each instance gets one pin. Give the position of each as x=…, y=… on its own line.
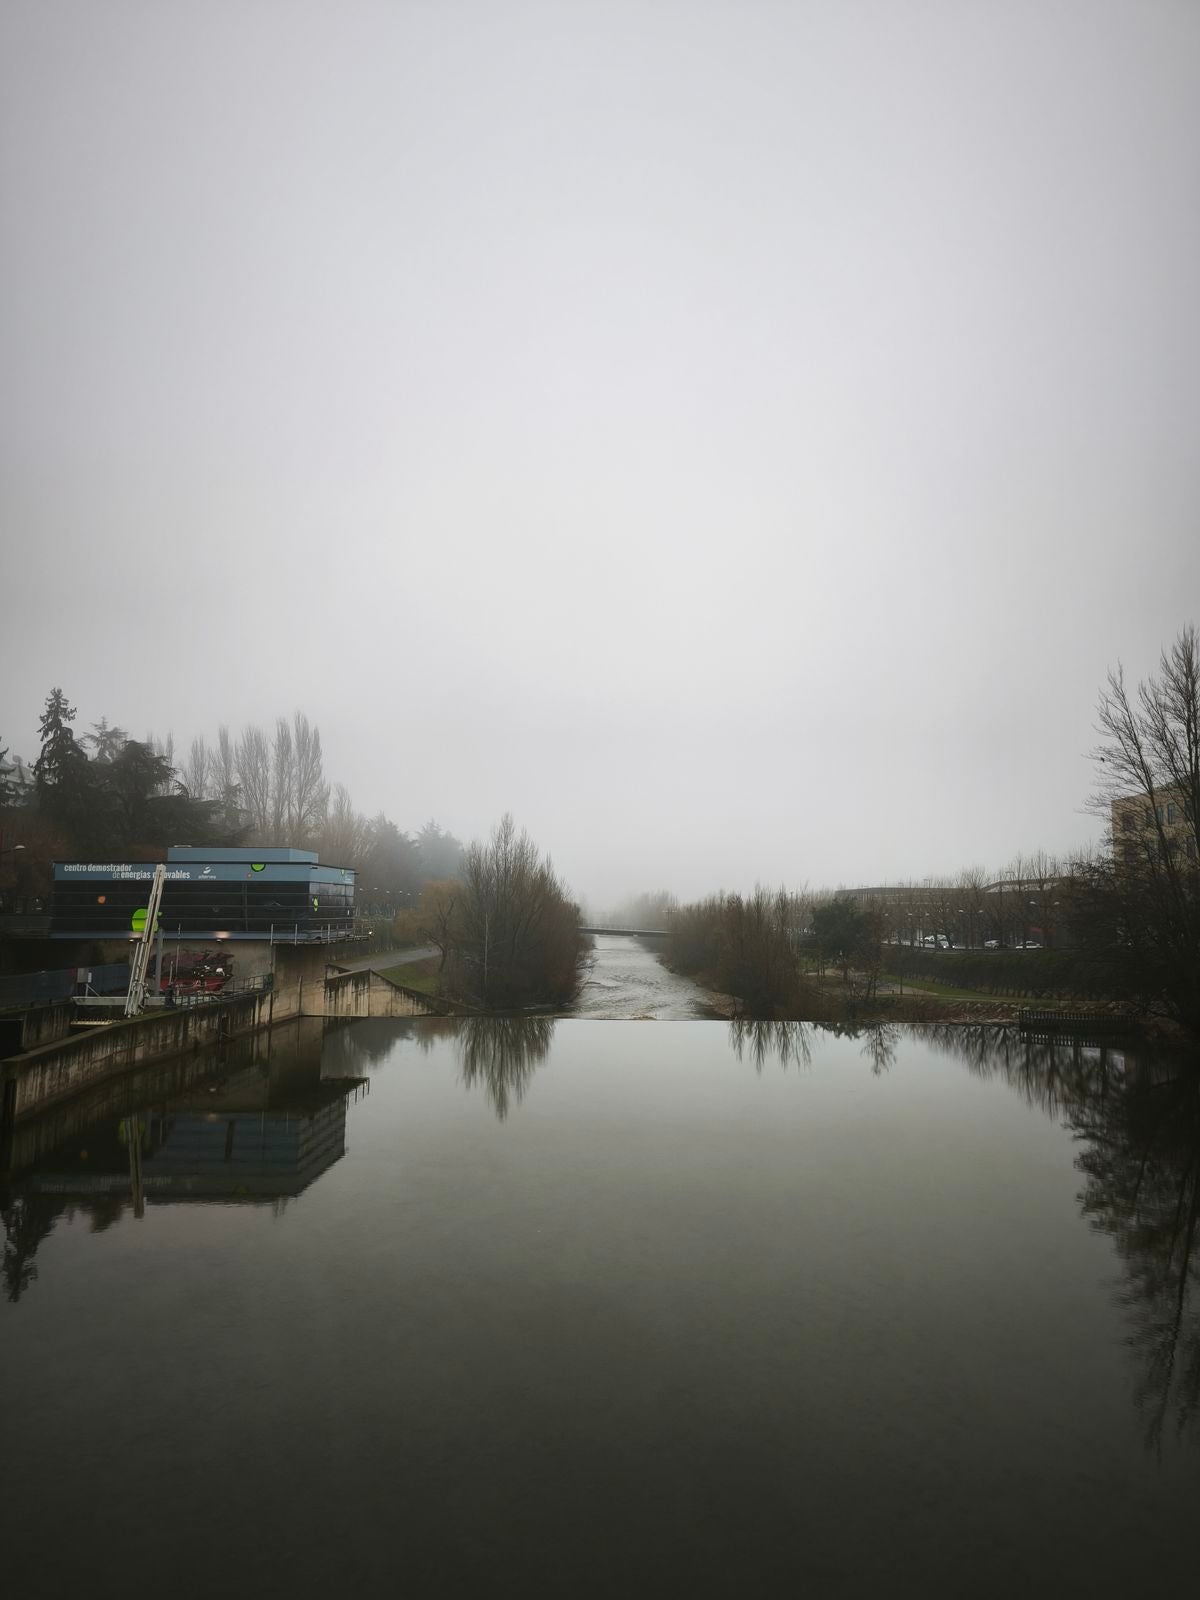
x=626, y=980
x=550, y=1306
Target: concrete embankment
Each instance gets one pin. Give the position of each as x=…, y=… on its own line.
x=301, y=985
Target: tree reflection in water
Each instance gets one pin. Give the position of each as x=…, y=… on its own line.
x=879, y=1044
x=791, y=1042
x=1137, y=1120
x=28, y=1219
x=785, y=1042
x=502, y=1054
x=1140, y=1161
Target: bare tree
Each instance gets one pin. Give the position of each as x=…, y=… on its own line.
x=972, y=905
x=518, y=929
x=310, y=792
x=345, y=834
x=438, y=915
x=1152, y=744
x=166, y=749
x=223, y=778
x=1144, y=896
x=197, y=769
x=283, y=780
x=252, y=769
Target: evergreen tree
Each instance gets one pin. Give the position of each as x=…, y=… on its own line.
x=8, y=789
x=440, y=853
x=142, y=802
x=60, y=757
x=61, y=771
x=106, y=742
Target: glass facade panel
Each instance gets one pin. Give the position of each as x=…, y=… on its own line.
x=248, y=905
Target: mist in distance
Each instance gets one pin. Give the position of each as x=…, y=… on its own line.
x=734, y=440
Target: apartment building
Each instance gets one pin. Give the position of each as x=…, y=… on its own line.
x=1147, y=829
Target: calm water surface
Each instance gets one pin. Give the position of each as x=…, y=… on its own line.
x=608, y=1308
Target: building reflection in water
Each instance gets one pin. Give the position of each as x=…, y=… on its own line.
x=256, y=1125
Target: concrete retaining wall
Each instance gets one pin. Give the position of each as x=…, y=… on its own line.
x=58, y=1067
x=53, y=1072
x=119, y=1093
x=366, y=994
x=25, y=1030
x=44, y=1024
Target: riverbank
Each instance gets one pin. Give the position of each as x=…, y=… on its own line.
x=622, y=980
x=897, y=1000
x=80, y=1056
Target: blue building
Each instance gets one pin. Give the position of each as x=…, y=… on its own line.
x=257, y=892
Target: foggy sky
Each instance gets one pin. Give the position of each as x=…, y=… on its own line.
x=736, y=438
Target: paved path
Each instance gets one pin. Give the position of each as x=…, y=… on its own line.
x=386, y=958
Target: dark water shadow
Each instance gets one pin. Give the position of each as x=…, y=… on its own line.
x=1135, y=1114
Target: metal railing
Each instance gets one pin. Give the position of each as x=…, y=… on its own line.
x=259, y=984
x=1033, y=1020
x=25, y=989
x=327, y=933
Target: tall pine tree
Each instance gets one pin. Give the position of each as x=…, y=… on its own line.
x=8, y=789
x=61, y=771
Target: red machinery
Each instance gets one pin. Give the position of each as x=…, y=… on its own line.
x=198, y=972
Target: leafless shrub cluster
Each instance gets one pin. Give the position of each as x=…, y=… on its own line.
x=509, y=931
x=743, y=945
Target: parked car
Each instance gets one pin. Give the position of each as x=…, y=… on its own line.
x=994, y=944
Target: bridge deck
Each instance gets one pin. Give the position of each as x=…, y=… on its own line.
x=637, y=933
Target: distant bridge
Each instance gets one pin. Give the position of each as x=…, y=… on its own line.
x=634, y=933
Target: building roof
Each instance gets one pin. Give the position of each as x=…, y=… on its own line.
x=257, y=852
